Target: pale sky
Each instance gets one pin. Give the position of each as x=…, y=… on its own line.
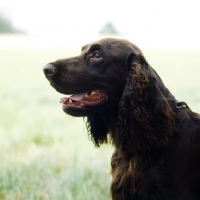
x=164, y=22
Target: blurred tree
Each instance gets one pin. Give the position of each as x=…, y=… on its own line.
x=6, y=25
x=109, y=29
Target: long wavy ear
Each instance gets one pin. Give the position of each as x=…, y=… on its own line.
x=97, y=129
x=145, y=118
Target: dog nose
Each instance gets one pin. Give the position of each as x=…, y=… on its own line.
x=49, y=70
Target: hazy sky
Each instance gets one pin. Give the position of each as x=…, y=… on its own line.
x=165, y=22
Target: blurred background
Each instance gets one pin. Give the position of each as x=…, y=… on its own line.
x=46, y=154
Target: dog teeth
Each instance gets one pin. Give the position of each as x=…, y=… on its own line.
x=70, y=101
x=87, y=95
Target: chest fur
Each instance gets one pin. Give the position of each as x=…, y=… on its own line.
x=132, y=177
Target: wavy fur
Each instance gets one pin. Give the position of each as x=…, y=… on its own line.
x=145, y=120
x=157, y=143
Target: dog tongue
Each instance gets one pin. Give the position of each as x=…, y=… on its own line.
x=78, y=97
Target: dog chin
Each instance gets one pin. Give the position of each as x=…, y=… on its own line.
x=79, y=111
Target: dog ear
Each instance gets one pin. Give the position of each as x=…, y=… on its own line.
x=97, y=129
x=145, y=118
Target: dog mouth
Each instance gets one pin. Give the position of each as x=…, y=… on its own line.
x=92, y=98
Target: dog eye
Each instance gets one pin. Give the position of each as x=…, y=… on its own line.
x=96, y=55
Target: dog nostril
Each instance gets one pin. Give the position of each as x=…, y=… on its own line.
x=49, y=70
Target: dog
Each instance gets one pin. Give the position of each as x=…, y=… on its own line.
x=156, y=138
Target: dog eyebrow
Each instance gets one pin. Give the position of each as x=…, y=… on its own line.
x=94, y=47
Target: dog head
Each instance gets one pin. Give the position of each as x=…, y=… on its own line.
x=112, y=84
x=94, y=79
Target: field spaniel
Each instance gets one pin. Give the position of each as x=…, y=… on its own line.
x=156, y=138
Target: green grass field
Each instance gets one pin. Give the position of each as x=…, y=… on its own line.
x=45, y=154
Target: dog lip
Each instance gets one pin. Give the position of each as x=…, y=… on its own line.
x=87, y=99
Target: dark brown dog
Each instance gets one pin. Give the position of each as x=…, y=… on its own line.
x=157, y=139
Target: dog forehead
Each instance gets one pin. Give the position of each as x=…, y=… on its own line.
x=94, y=44
x=104, y=42
x=112, y=44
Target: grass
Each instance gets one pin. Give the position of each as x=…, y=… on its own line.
x=45, y=154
